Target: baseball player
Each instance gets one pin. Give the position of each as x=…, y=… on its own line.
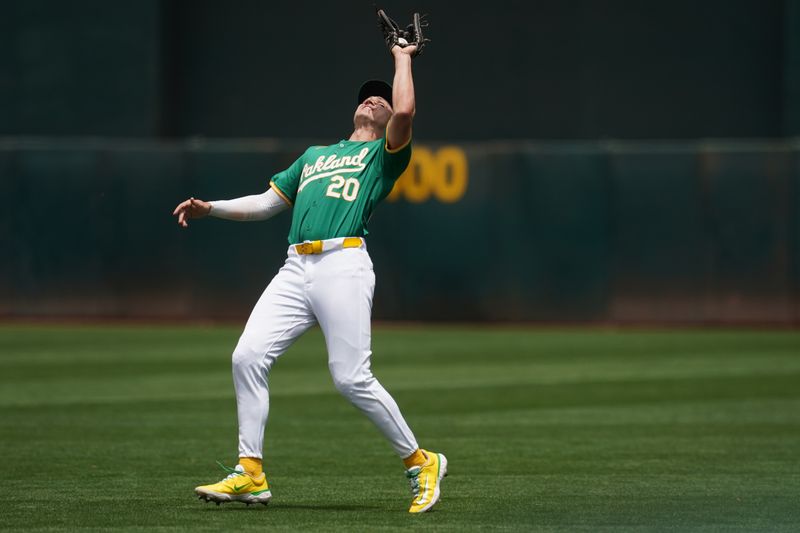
x=327, y=278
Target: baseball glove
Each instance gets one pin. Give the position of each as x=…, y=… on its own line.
x=411, y=35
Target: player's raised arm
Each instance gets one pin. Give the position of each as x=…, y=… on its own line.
x=404, y=104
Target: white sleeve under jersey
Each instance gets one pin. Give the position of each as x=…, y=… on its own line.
x=249, y=208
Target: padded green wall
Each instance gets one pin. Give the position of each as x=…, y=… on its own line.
x=84, y=67
x=623, y=232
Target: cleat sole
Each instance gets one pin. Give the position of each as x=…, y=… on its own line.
x=246, y=498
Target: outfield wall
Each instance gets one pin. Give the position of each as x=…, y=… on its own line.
x=622, y=232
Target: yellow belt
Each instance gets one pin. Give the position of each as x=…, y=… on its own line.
x=315, y=247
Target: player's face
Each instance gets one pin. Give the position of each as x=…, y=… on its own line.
x=374, y=109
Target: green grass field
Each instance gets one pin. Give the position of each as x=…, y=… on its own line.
x=546, y=430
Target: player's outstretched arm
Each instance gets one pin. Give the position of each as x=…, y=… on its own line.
x=404, y=104
x=244, y=209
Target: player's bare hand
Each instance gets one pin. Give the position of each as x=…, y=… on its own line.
x=191, y=208
x=408, y=50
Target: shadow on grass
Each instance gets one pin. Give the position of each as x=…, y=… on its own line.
x=328, y=507
x=291, y=506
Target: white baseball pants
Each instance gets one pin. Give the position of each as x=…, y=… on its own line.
x=334, y=289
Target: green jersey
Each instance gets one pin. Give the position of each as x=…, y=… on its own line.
x=335, y=188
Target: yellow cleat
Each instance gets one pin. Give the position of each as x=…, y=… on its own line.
x=238, y=486
x=425, y=481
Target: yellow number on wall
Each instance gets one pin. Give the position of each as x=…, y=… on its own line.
x=451, y=182
x=443, y=174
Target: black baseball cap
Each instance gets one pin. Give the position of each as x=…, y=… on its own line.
x=375, y=88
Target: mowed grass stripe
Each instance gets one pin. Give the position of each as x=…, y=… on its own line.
x=562, y=430
x=516, y=387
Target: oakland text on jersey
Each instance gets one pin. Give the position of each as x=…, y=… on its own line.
x=346, y=163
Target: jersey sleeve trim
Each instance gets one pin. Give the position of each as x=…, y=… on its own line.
x=394, y=150
x=386, y=142
x=280, y=192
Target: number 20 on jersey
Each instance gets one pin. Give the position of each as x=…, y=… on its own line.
x=346, y=189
